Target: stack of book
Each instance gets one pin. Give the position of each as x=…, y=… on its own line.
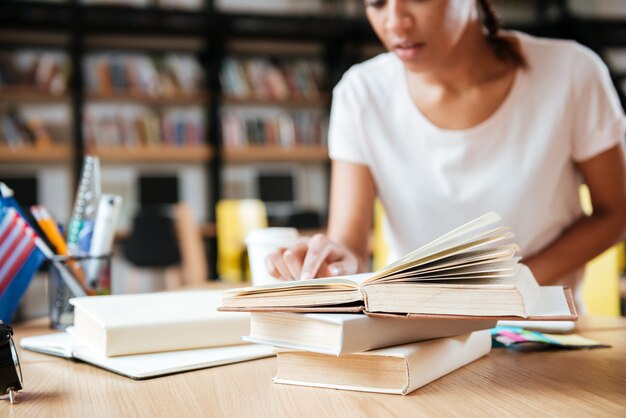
x=147, y=335
x=410, y=323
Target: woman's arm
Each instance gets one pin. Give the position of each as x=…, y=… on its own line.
x=605, y=175
x=344, y=250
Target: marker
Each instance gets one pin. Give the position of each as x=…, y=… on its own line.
x=103, y=233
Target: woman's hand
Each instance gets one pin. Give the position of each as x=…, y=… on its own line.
x=312, y=257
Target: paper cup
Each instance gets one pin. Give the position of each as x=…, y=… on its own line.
x=261, y=242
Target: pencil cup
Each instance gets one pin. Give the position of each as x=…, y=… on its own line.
x=93, y=273
x=261, y=242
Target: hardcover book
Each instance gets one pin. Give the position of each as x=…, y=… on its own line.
x=338, y=333
x=469, y=272
x=397, y=370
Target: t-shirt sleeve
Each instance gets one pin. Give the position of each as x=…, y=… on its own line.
x=599, y=123
x=346, y=140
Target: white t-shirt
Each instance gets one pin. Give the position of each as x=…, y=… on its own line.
x=519, y=162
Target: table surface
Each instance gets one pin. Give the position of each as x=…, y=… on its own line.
x=504, y=383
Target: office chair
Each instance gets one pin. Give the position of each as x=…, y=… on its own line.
x=234, y=219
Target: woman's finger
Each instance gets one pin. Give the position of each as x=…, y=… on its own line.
x=294, y=258
x=318, y=249
x=276, y=265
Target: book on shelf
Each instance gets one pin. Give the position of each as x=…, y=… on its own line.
x=395, y=370
x=242, y=128
x=340, y=334
x=170, y=75
x=273, y=78
x=44, y=71
x=156, y=322
x=470, y=272
x=18, y=131
x=132, y=126
x=143, y=366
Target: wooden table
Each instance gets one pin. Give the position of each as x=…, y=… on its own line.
x=580, y=383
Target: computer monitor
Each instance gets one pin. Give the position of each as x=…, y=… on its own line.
x=158, y=190
x=24, y=189
x=278, y=190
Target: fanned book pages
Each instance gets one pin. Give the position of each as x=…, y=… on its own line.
x=472, y=271
x=397, y=370
x=339, y=333
x=155, y=322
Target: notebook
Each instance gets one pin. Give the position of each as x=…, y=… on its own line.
x=143, y=366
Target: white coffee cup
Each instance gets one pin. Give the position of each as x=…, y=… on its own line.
x=263, y=241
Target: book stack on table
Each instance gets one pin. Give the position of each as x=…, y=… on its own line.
x=415, y=320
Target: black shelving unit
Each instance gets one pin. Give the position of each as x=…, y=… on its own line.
x=341, y=38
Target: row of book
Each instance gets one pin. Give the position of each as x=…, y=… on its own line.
x=45, y=71
x=271, y=78
x=141, y=74
x=19, y=131
x=285, y=129
x=133, y=127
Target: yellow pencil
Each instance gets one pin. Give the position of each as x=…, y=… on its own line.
x=49, y=227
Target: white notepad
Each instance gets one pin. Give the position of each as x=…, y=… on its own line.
x=142, y=366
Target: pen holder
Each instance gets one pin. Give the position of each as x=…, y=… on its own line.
x=93, y=272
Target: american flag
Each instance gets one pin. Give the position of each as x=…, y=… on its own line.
x=19, y=260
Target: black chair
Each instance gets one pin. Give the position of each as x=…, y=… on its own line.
x=152, y=241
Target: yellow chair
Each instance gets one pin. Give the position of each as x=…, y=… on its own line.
x=600, y=289
x=380, y=249
x=234, y=219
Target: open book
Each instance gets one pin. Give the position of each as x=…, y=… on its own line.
x=472, y=271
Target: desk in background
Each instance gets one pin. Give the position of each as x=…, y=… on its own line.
x=504, y=383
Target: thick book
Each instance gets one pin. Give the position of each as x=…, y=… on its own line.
x=155, y=322
x=397, y=370
x=469, y=272
x=143, y=366
x=339, y=334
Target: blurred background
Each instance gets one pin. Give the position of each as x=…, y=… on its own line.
x=209, y=118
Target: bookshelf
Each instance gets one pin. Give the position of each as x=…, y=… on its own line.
x=145, y=154
x=212, y=33
x=276, y=154
x=32, y=154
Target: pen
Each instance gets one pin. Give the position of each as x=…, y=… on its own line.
x=49, y=227
x=75, y=286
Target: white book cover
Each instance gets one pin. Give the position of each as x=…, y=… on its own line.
x=337, y=334
x=142, y=366
x=155, y=322
x=425, y=361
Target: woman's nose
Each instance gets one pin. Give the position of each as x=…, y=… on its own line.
x=398, y=18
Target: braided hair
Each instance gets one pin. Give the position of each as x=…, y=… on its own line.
x=502, y=47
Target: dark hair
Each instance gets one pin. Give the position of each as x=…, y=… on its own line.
x=504, y=48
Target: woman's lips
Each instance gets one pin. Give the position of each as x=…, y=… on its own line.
x=408, y=50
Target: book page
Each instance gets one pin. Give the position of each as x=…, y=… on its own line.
x=453, y=236
x=337, y=283
x=441, y=252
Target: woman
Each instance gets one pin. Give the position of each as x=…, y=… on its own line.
x=457, y=120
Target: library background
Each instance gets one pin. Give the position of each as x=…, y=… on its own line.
x=195, y=106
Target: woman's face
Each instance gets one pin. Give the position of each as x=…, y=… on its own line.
x=422, y=33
